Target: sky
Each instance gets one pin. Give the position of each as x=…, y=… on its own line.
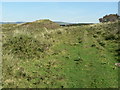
x=82, y=12
x=60, y=0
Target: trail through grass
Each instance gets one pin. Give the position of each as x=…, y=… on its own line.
x=59, y=57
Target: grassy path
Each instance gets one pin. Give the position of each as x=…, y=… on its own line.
x=73, y=59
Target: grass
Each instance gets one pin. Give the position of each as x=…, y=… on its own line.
x=35, y=56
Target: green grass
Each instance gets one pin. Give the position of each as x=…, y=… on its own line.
x=60, y=57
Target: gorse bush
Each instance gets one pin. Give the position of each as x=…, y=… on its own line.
x=23, y=46
x=111, y=37
x=59, y=32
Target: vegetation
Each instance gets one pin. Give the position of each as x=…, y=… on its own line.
x=42, y=54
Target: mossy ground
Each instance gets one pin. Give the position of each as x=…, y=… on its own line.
x=64, y=57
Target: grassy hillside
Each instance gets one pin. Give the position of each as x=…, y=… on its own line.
x=42, y=54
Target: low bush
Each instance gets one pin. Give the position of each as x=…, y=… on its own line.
x=24, y=47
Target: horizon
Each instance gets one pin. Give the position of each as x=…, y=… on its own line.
x=41, y=19
x=71, y=12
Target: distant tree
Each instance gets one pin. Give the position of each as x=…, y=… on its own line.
x=110, y=18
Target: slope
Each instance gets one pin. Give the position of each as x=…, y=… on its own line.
x=64, y=57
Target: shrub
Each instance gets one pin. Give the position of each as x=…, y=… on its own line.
x=95, y=35
x=93, y=45
x=110, y=37
x=102, y=44
x=24, y=47
x=59, y=32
